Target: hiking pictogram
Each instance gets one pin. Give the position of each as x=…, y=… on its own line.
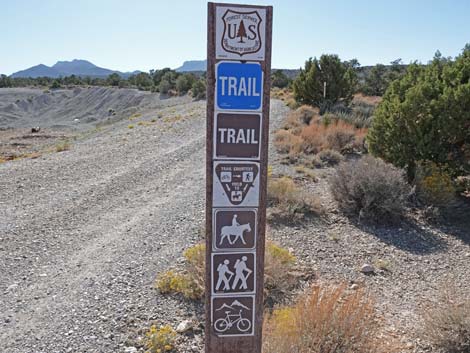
x=233, y=272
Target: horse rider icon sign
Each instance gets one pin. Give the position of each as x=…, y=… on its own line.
x=234, y=229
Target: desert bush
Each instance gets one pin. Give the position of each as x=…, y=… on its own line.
x=55, y=85
x=189, y=281
x=371, y=189
x=360, y=115
x=287, y=142
x=164, y=87
x=434, y=186
x=424, y=116
x=300, y=117
x=304, y=114
x=337, y=135
x=184, y=83
x=278, y=266
x=159, y=340
x=327, y=319
x=447, y=325
x=198, y=90
x=330, y=157
x=339, y=77
x=62, y=146
x=307, y=172
x=290, y=200
x=279, y=79
x=292, y=103
x=170, y=281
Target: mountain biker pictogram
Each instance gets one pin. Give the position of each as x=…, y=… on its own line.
x=233, y=316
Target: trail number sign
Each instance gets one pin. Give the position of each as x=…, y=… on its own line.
x=238, y=85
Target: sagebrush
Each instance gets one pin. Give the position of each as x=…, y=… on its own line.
x=447, y=324
x=371, y=189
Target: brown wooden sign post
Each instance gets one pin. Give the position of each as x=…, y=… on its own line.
x=238, y=86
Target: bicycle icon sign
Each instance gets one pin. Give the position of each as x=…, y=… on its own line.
x=224, y=324
x=233, y=316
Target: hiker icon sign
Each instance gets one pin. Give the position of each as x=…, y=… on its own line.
x=236, y=184
x=234, y=229
x=233, y=273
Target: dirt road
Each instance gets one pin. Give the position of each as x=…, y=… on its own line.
x=84, y=232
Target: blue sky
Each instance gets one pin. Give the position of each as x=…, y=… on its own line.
x=147, y=34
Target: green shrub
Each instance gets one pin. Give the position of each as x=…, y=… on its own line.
x=371, y=189
x=184, y=83
x=425, y=116
x=279, y=79
x=55, y=84
x=340, y=81
x=198, y=89
x=164, y=87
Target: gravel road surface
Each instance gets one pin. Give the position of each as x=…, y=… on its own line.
x=84, y=232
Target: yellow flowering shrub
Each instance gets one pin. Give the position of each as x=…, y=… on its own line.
x=159, y=340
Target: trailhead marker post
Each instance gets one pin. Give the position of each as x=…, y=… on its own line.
x=238, y=89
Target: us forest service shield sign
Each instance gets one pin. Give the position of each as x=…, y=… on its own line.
x=240, y=33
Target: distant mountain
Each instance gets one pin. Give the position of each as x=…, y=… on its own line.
x=66, y=68
x=193, y=65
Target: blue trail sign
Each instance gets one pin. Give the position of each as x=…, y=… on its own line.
x=239, y=86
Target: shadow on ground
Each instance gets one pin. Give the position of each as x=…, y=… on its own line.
x=408, y=236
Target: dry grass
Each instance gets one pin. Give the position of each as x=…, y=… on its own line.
x=306, y=133
x=447, y=324
x=287, y=142
x=190, y=281
x=338, y=136
x=62, y=146
x=278, y=266
x=290, y=200
x=286, y=95
x=301, y=117
x=306, y=172
x=328, y=319
x=370, y=100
